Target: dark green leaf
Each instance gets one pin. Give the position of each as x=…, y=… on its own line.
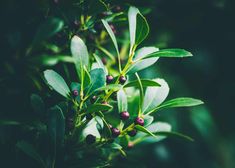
x=9, y=122
x=143, y=129
x=30, y=151
x=56, y=124
x=113, y=87
x=37, y=104
x=57, y=82
x=98, y=107
x=98, y=79
x=48, y=29
x=173, y=134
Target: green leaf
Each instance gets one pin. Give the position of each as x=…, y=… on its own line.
x=57, y=82
x=79, y=53
x=170, y=53
x=111, y=34
x=56, y=124
x=122, y=101
x=91, y=128
x=138, y=27
x=87, y=77
x=98, y=79
x=115, y=146
x=49, y=28
x=145, y=83
x=148, y=120
x=30, y=151
x=98, y=107
x=144, y=52
x=174, y=134
x=180, y=102
x=75, y=86
x=154, y=96
x=142, y=64
x=143, y=129
x=100, y=63
x=51, y=60
x=114, y=87
x=155, y=128
x=141, y=98
x=37, y=104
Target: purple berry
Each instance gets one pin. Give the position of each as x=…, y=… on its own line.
x=90, y=139
x=109, y=79
x=104, y=60
x=132, y=133
x=115, y=132
x=122, y=79
x=139, y=121
x=124, y=115
x=75, y=92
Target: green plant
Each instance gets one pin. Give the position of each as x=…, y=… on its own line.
x=99, y=114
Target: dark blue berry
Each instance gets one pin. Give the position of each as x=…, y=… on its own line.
x=115, y=132
x=109, y=79
x=132, y=133
x=122, y=79
x=90, y=139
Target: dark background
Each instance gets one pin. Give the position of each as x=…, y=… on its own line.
x=204, y=27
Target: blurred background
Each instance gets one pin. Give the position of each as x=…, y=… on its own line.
x=204, y=27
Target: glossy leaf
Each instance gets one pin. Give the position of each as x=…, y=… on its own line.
x=145, y=83
x=114, y=87
x=180, y=102
x=148, y=120
x=145, y=130
x=100, y=63
x=144, y=52
x=111, y=34
x=79, y=53
x=138, y=26
x=142, y=64
x=98, y=79
x=174, y=134
x=122, y=100
x=154, y=96
x=57, y=82
x=170, y=53
x=91, y=128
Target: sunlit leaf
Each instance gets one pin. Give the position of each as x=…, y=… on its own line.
x=57, y=82
x=122, y=100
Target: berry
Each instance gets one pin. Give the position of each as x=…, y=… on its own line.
x=93, y=99
x=109, y=79
x=104, y=60
x=90, y=139
x=115, y=132
x=117, y=9
x=139, y=121
x=130, y=145
x=124, y=115
x=89, y=116
x=75, y=92
x=132, y=133
x=122, y=79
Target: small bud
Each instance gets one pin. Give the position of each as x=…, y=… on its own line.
x=75, y=93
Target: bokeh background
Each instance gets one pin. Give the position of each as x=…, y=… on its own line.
x=204, y=27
